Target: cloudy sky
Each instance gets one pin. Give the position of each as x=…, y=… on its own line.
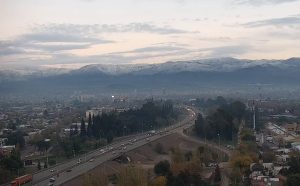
x=73, y=33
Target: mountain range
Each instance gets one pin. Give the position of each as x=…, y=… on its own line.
x=219, y=74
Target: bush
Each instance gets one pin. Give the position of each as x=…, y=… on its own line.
x=52, y=162
x=162, y=168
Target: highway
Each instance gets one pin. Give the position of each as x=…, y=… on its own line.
x=71, y=169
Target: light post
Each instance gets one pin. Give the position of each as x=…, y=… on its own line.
x=124, y=128
x=99, y=138
x=219, y=147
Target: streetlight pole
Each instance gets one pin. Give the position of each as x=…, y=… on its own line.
x=219, y=138
x=124, y=130
x=219, y=147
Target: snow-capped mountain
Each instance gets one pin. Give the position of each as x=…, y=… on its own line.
x=210, y=75
x=214, y=65
x=202, y=65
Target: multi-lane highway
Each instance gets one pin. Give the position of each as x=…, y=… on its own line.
x=75, y=167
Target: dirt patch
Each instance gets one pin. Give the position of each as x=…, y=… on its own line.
x=145, y=156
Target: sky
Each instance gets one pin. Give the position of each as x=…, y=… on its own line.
x=74, y=33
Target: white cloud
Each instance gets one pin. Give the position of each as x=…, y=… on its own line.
x=263, y=2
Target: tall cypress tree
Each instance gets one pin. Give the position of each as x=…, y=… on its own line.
x=76, y=129
x=90, y=127
x=82, y=128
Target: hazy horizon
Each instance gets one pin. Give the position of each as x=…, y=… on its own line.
x=76, y=33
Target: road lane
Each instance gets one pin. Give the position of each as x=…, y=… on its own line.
x=42, y=178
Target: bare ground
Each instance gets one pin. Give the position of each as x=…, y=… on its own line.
x=144, y=156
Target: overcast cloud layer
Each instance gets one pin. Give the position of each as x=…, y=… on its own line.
x=73, y=33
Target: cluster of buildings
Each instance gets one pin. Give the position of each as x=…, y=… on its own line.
x=5, y=150
x=278, y=142
x=100, y=110
x=30, y=119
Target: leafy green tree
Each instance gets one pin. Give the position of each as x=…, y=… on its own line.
x=293, y=180
x=45, y=165
x=217, y=177
x=185, y=178
x=75, y=129
x=16, y=138
x=162, y=168
x=109, y=137
x=188, y=156
x=200, y=125
x=39, y=165
x=82, y=128
x=90, y=127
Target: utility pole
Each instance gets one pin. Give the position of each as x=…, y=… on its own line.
x=124, y=128
x=254, y=117
x=219, y=138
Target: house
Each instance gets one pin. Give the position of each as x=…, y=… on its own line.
x=292, y=127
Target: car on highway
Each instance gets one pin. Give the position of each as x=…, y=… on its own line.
x=79, y=161
x=51, y=180
x=51, y=170
x=91, y=160
x=69, y=170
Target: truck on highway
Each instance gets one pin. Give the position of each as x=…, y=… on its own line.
x=21, y=180
x=152, y=132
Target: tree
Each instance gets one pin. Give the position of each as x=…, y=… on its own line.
x=159, y=181
x=185, y=177
x=293, y=180
x=109, y=137
x=39, y=165
x=16, y=138
x=162, y=168
x=200, y=125
x=82, y=128
x=45, y=165
x=217, y=177
x=188, y=156
x=90, y=127
x=268, y=157
x=75, y=129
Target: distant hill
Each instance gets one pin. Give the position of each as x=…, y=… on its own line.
x=208, y=75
